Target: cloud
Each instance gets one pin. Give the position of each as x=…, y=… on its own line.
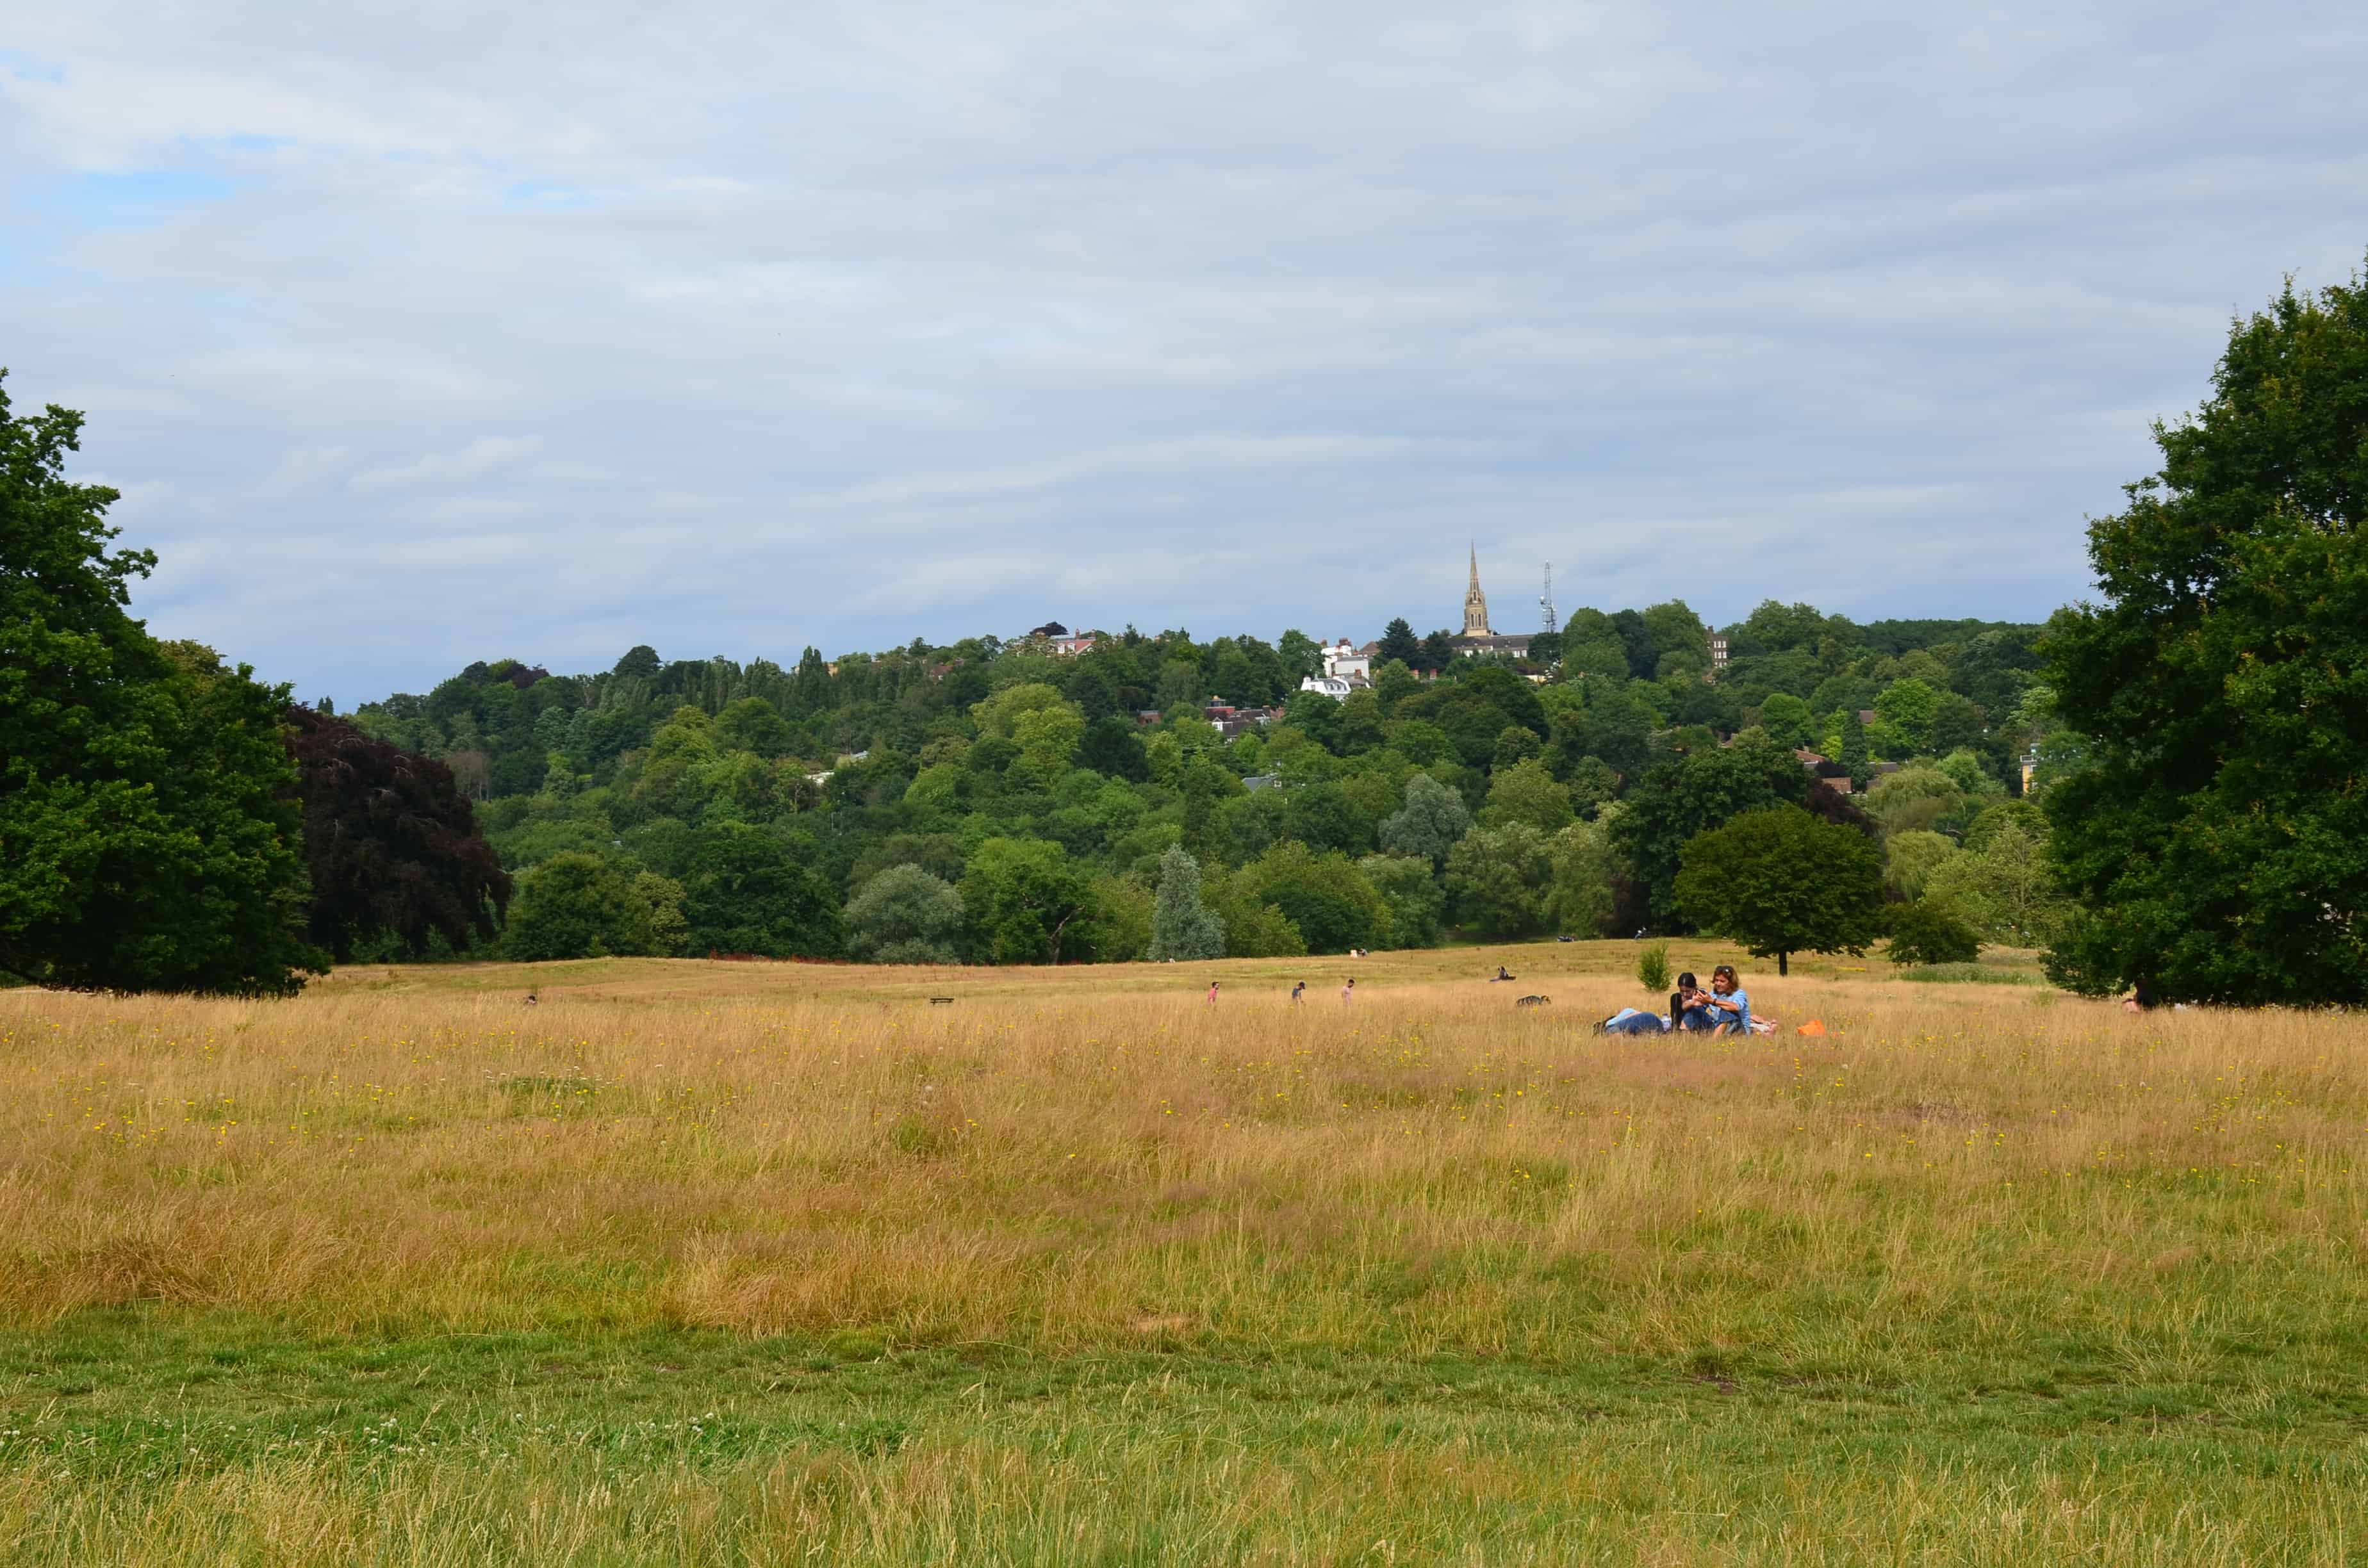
x=475, y=461
x=419, y=339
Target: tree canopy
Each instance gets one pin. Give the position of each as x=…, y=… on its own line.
x=2216, y=837
x=1780, y=882
x=150, y=837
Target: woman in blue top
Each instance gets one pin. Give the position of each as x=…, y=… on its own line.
x=1730, y=1003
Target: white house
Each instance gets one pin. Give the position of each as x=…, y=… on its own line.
x=1336, y=687
x=1341, y=661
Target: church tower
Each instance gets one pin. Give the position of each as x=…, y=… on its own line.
x=1475, y=603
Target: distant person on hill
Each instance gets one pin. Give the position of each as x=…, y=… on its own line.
x=1500, y=974
x=1212, y=994
x=1349, y=991
x=1298, y=991
x=1730, y=1003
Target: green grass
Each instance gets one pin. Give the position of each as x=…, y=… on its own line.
x=131, y=1435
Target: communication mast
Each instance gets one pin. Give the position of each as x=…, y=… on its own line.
x=1545, y=601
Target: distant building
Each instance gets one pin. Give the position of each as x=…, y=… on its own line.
x=1343, y=661
x=1336, y=687
x=1477, y=636
x=1717, y=654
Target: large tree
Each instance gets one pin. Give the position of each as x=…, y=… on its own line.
x=1780, y=882
x=903, y=914
x=391, y=843
x=1182, y=926
x=1698, y=791
x=1026, y=903
x=149, y=833
x=2216, y=842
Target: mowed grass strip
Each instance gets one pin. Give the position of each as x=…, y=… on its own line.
x=1985, y=1266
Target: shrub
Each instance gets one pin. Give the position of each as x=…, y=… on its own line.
x=1925, y=933
x=1652, y=967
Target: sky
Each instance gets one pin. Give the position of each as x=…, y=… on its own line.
x=415, y=334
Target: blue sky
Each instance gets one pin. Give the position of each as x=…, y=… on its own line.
x=424, y=334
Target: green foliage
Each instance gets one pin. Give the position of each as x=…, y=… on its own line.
x=1411, y=895
x=1182, y=926
x=1653, y=966
x=1780, y=882
x=1910, y=859
x=1429, y=824
x=903, y=914
x=2216, y=838
x=745, y=892
x=575, y=906
x=1578, y=900
x=150, y=837
x=1914, y=799
x=1324, y=896
x=1903, y=710
x=1526, y=793
x=1499, y=877
x=1254, y=928
x=2001, y=884
x=1681, y=799
x=1026, y=903
x=1929, y=934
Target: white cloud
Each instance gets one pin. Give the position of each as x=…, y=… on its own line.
x=870, y=320
x=478, y=458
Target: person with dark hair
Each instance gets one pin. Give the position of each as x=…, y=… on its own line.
x=1690, y=1006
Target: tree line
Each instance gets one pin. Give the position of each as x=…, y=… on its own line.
x=2193, y=742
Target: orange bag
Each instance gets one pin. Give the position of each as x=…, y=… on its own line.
x=1814, y=1026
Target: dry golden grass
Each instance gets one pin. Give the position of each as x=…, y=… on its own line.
x=1983, y=1191
x=1096, y=1160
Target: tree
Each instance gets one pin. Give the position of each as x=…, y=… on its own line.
x=1025, y=903
x=1914, y=799
x=1911, y=857
x=1526, y=793
x=903, y=914
x=2001, y=884
x=150, y=839
x=1677, y=801
x=2216, y=841
x=1182, y=926
x=1786, y=719
x=1499, y=878
x=754, y=724
x=1325, y=816
x=1930, y=933
x=392, y=844
x=1300, y=655
x=1905, y=711
x=1411, y=895
x=744, y=894
x=1853, y=751
x=1780, y=882
x=1254, y=928
x=1325, y=897
x=1580, y=894
x=577, y=906
x=1398, y=642
x=1112, y=748
x=1428, y=827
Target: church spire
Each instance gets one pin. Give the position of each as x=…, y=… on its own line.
x=1475, y=603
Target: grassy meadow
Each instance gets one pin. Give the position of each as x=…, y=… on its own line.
x=749, y=1263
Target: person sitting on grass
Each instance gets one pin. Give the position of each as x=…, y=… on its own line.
x=1690, y=1006
x=1730, y=1003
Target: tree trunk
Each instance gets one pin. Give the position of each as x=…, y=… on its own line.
x=1779, y=962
